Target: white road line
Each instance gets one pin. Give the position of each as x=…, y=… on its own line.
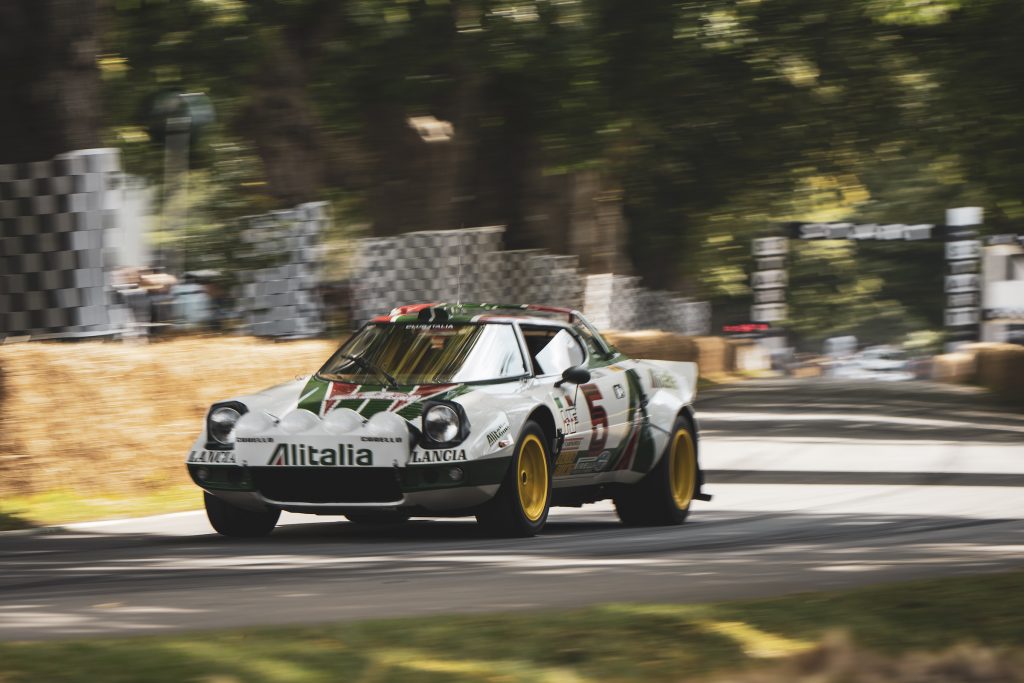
x=852, y=417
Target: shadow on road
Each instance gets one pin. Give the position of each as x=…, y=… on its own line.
x=10, y=521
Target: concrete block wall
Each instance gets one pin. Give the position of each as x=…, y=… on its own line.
x=280, y=299
x=619, y=302
x=426, y=266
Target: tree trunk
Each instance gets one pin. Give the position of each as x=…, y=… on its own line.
x=50, y=79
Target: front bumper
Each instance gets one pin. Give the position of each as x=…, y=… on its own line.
x=430, y=488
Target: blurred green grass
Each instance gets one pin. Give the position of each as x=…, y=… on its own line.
x=618, y=642
x=64, y=506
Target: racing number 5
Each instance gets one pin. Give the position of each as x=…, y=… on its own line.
x=598, y=419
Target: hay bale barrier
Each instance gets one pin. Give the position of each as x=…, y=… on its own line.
x=715, y=356
x=997, y=367
x=1001, y=369
x=111, y=417
x=956, y=368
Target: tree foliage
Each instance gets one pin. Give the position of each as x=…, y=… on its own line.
x=711, y=121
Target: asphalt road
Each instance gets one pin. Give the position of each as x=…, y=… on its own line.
x=817, y=484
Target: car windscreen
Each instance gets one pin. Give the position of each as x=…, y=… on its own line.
x=411, y=354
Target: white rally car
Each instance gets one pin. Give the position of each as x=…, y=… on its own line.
x=458, y=409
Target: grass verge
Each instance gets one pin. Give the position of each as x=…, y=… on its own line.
x=66, y=506
x=784, y=639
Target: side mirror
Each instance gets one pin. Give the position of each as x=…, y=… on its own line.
x=574, y=375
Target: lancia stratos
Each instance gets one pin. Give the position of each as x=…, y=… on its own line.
x=493, y=411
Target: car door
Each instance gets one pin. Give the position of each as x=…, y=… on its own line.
x=607, y=398
x=590, y=415
x=552, y=350
x=618, y=391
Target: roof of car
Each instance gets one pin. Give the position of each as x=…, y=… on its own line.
x=474, y=312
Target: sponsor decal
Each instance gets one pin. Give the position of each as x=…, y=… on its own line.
x=255, y=439
x=304, y=455
x=662, y=380
x=591, y=464
x=572, y=443
x=338, y=392
x=213, y=457
x=420, y=393
x=619, y=391
x=349, y=395
x=570, y=421
x=564, y=464
x=598, y=418
x=495, y=434
x=447, y=455
x=381, y=439
x=386, y=395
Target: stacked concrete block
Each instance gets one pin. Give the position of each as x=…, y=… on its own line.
x=619, y=302
x=563, y=284
x=692, y=318
x=597, y=299
x=626, y=303
x=518, y=277
x=468, y=265
x=53, y=215
x=435, y=265
x=280, y=297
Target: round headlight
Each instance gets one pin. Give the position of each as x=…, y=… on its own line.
x=222, y=425
x=441, y=424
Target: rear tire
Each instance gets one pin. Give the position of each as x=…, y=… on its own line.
x=663, y=497
x=229, y=520
x=520, y=508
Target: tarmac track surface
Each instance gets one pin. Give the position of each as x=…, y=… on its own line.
x=817, y=485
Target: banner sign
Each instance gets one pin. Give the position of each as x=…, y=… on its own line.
x=961, y=317
x=770, y=246
x=861, y=231
x=769, y=296
x=969, y=282
x=967, y=299
x=768, y=313
x=767, y=279
x=963, y=250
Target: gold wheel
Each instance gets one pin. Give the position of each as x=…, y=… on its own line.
x=532, y=478
x=682, y=469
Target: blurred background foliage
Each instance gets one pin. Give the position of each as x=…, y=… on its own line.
x=708, y=123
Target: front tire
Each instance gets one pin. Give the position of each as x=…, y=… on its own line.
x=663, y=497
x=520, y=508
x=228, y=520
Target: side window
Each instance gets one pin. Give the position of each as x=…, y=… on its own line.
x=553, y=350
x=590, y=339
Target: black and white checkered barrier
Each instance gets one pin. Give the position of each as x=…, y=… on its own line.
x=534, y=276
x=280, y=298
x=435, y=265
x=426, y=266
x=53, y=215
x=619, y=302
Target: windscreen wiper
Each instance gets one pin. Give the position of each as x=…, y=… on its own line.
x=372, y=367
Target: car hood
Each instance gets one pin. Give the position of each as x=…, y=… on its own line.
x=320, y=396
